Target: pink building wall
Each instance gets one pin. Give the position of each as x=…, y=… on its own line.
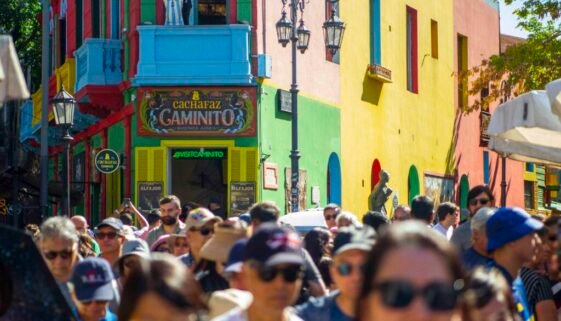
x=479, y=22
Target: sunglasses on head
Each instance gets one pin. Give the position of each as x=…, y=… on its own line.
x=205, y=230
x=64, y=254
x=345, y=269
x=109, y=235
x=289, y=274
x=481, y=201
x=438, y=296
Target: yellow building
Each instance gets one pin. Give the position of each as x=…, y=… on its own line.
x=397, y=99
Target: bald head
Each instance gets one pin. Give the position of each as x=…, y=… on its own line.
x=80, y=223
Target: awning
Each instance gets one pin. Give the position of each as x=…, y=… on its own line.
x=526, y=129
x=12, y=81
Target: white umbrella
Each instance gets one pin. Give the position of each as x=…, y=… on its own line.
x=526, y=129
x=12, y=81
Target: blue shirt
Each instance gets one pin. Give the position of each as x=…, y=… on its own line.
x=518, y=292
x=108, y=316
x=322, y=309
x=471, y=259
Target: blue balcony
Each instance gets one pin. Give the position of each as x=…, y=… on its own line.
x=98, y=62
x=194, y=55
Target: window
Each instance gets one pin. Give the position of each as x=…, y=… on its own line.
x=96, y=24
x=486, y=167
x=375, y=33
x=530, y=167
x=412, y=56
x=434, y=38
x=79, y=22
x=62, y=40
x=462, y=69
x=115, y=26
x=212, y=12
x=528, y=194
x=330, y=6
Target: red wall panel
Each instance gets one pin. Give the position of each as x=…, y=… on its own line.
x=71, y=28
x=88, y=33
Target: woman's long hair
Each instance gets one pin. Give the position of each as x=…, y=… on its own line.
x=316, y=243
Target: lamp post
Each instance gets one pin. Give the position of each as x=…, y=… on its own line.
x=296, y=32
x=63, y=107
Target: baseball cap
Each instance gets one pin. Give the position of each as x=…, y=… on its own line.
x=136, y=247
x=272, y=245
x=235, y=257
x=199, y=217
x=508, y=225
x=111, y=222
x=353, y=238
x=225, y=235
x=93, y=280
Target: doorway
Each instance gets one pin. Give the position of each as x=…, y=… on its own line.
x=200, y=175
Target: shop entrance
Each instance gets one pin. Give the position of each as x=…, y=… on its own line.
x=199, y=175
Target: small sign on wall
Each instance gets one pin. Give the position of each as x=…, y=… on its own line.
x=284, y=101
x=270, y=176
x=316, y=196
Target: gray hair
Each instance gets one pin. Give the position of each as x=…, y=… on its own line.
x=348, y=216
x=479, y=220
x=59, y=227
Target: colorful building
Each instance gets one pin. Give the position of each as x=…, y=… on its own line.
x=477, y=37
x=397, y=99
x=197, y=110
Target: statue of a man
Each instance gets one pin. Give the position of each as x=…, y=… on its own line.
x=380, y=194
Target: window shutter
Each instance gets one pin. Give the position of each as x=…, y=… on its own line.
x=150, y=166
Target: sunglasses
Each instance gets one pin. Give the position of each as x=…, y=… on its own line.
x=481, y=201
x=64, y=254
x=289, y=274
x=345, y=269
x=438, y=296
x=203, y=230
x=109, y=235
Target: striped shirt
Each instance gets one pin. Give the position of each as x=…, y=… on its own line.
x=537, y=286
x=174, y=16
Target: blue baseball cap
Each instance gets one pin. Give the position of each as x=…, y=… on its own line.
x=93, y=280
x=272, y=245
x=235, y=257
x=508, y=225
x=112, y=222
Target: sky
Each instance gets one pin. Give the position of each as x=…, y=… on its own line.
x=508, y=20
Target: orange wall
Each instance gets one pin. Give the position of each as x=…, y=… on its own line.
x=479, y=22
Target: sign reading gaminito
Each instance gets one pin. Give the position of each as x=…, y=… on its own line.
x=205, y=111
x=107, y=161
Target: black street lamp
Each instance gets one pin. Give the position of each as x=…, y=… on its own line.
x=63, y=107
x=288, y=31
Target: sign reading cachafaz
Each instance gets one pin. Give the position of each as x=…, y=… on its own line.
x=202, y=111
x=107, y=161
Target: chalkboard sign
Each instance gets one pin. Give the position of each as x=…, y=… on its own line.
x=284, y=101
x=149, y=195
x=242, y=196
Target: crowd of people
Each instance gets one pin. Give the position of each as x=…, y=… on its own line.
x=422, y=263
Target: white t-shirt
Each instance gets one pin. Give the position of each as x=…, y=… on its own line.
x=442, y=230
x=241, y=315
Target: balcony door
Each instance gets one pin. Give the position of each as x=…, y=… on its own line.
x=211, y=12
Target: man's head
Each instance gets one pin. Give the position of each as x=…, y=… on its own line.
x=80, y=223
x=126, y=219
x=376, y=220
x=154, y=218
x=401, y=213
x=448, y=214
x=134, y=251
x=110, y=236
x=350, y=248
x=273, y=267
x=422, y=208
x=263, y=212
x=92, y=288
x=214, y=204
x=478, y=197
x=511, y=233
x=330, y=213
x=199, y=227
x=479, y=230
x=233, y=267
x=59, y=246
x=170, y=208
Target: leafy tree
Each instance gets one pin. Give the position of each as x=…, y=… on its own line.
x=20, y=19
x=526, y=66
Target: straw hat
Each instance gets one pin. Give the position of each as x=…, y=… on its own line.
x=225, y=235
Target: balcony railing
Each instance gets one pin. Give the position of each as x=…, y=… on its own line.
x=194, y=55
x=98, y=62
